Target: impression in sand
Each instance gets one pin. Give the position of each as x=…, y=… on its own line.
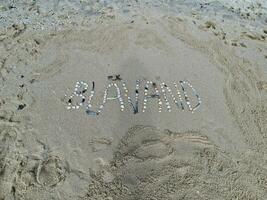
x=153, y=164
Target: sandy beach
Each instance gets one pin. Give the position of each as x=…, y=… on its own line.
x=111, y=100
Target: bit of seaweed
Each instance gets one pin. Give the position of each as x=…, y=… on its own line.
x=115, y=77
x=154, y=96
x=90, y=112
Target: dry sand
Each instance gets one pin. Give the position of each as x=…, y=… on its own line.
x=49, y=152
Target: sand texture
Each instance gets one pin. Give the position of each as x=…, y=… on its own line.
x=48, y=151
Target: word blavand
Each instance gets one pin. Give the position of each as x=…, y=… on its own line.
x=149, y=90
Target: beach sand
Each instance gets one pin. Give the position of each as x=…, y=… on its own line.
x=50, y=152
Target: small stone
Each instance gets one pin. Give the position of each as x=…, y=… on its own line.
x=21, y=106
x=242, y=45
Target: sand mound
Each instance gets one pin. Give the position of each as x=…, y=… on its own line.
x=152, y=164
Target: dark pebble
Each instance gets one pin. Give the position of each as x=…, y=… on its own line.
x=11, y=7
x=21, y=106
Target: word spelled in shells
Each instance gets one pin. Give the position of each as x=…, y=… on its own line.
x=167, y=97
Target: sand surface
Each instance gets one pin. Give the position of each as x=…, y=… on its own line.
x=50, y=152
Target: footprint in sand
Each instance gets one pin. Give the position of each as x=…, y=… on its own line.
x=50, y=172
x=9, y=158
